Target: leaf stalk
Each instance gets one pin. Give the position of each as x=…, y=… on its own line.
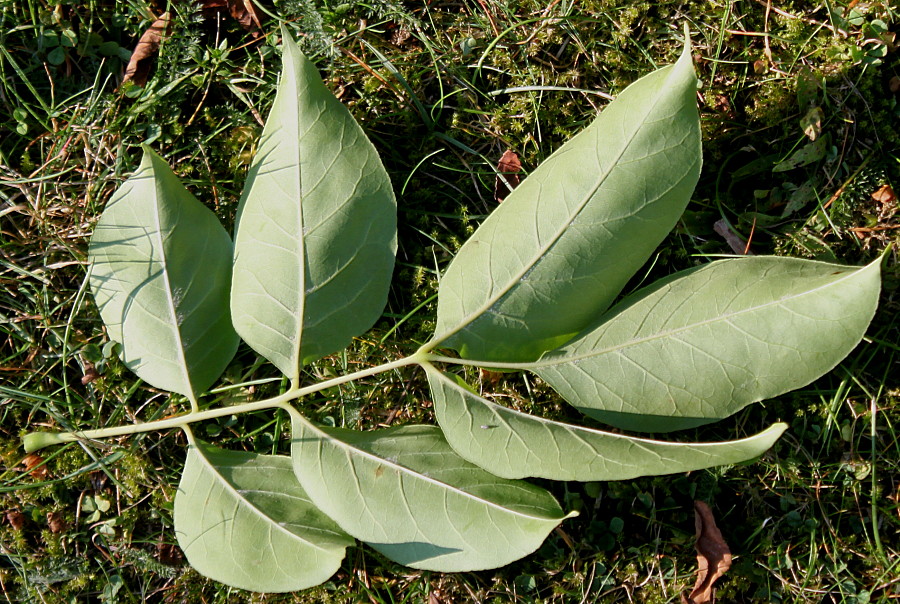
x=35, y=441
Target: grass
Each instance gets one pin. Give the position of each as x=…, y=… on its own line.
x=443, y=89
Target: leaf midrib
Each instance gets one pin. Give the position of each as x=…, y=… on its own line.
x=164, y=261
x=301, y=247
x=416, y=475
x=575, y=430
x=473, y=316
x=563, y=360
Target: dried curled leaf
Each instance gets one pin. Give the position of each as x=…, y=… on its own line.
x=885, y=195
x=36, y=466
x=508, y=169
x=244, y=11
x=713, y=556
x=16, y=519
x=56, y=522
x=138, y=69
x=734, y=241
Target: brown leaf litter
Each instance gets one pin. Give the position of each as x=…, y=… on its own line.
x=243, y=11
x=508, y=169
x=138, y=69
x=713, y=556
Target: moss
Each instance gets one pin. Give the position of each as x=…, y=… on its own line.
x=599, y=46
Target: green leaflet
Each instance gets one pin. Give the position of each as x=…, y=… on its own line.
x=512, y=444
x=701, y=344
x=242, y=519
x=168, y=311
x=561, y=247
x=316, y=228
x=407, y=494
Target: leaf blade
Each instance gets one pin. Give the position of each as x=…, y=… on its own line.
x=242, y=519
x=512, y=444
x=780, y=324
x=517, y=287
x=404, y=492
x=168, y=311
x=317, y=220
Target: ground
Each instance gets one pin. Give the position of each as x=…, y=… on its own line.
x=800, y=106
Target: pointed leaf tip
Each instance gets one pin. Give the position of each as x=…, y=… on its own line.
x=517, y=287
x=688, y=46
x=407, y=494
x=513, y=444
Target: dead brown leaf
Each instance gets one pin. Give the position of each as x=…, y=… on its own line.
x=168, y=554
x=887, y=198
x=713, y=556
x=90, y=374
x=734, y=241
x=399, y=35
x=16, y=519
x=34, y=464
x=491, y=377
x=509, y=168
x=885, y=195
x=138, y=69
x=722, y=104
x=56, y=522
x=243, y=11
x=894, y=85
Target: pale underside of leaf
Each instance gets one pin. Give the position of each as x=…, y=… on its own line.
x=560, y=248
x=243, y=519
x=408, y=495
x=316, y=228
x=702, y=344
x=168, y=311
x=512, y=444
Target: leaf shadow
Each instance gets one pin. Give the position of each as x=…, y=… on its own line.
x=412, y=553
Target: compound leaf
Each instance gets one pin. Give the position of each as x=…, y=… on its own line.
x=700, y=345
x=564, y=243
x=244, y=520
x=512, y=444
x=407, y=494
x=316, y=228
x=160, y=274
